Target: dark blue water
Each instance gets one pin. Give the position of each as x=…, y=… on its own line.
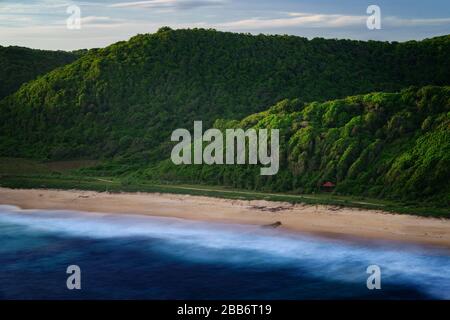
x=135, y=257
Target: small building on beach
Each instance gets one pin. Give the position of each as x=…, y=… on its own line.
x=327, y=186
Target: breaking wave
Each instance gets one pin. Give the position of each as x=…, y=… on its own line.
x=425, y=269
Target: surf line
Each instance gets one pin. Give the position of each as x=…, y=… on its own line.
x=235, y=147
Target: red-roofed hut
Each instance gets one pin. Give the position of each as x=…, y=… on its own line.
x=328, y=186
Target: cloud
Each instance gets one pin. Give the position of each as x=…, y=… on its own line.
x=297, y=19
x=317, y=20
x=9, y=7
x=168, y=4
x=100, y=20
x=402, y=22
x=91, y=34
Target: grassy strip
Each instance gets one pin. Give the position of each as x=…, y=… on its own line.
x=116, y=185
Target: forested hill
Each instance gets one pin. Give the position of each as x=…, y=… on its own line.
x=390, y=145
x=124, y=100
x=19, y=65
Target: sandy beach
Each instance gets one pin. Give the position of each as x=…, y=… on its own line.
x=330, y=221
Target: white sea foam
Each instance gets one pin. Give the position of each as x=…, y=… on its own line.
x=426, y=269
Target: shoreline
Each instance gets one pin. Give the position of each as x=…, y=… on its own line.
x=322, y=220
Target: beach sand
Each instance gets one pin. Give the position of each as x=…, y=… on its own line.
x=330, y=221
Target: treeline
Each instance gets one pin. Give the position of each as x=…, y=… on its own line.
x=122, y=102
x=390, y=145
x=19, y=65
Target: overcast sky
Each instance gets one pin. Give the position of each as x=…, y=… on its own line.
x=43, y=23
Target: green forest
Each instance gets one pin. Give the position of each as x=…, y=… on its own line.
x=389, y=145
x=372, y=117
x=19, y=65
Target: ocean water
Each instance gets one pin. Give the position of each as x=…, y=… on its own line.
x=138, y=257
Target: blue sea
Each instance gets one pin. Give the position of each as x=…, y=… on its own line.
x=140, y=257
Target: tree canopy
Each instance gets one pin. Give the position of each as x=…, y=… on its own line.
x=391, y=145
x=19, y=65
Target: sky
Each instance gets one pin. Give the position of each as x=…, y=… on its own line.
x=53, y=24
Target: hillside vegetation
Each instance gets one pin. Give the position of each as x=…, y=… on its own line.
x=390, y=145
x=124, y=101
x=19, y=65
